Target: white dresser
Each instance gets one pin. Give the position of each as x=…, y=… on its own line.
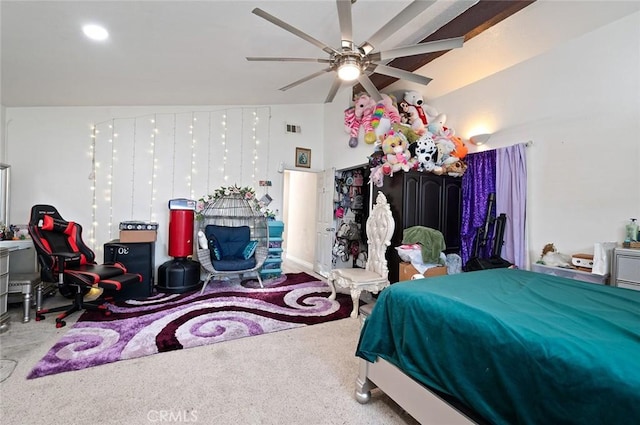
x=4, y=289
x=625, y=268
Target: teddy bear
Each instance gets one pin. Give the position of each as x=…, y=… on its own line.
x=437, y=127
x=395, y=148
x=444, y=158
x=408, y=132
x=412, y=108
x=455, y=169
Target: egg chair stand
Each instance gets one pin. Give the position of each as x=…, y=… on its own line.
x=233, y=226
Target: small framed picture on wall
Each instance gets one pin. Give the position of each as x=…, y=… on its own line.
x=303, y=157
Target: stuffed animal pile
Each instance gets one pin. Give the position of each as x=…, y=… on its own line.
x=414, y=139
x=374, y=118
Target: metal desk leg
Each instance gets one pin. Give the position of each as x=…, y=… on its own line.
x=26, y=305
x=39, y=296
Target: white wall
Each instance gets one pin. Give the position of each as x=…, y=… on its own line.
x=580, y=105
x=3, y=149
x=49, y=150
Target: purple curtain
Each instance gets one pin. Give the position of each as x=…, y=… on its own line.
x=477, y=183
x=511, y=199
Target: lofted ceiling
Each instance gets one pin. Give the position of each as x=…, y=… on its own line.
x=194, y=52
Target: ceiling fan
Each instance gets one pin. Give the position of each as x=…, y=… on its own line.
x=353, y=62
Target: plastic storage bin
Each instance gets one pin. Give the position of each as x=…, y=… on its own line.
x=273, y=265
x=571, y=274
x=275, y=228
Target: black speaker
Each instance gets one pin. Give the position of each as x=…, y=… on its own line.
x=137, y=257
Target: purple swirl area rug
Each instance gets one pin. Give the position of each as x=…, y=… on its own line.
x=227, y=310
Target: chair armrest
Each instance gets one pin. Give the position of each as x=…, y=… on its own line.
x=204, y=258
x=261, y=255
x=63, y=257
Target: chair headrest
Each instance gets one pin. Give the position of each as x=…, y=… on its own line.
x=56, y=225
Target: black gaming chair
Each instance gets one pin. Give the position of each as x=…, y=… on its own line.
x=66, y=260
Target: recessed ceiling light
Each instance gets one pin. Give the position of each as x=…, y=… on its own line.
x=95, y=32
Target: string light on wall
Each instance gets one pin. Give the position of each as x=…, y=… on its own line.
x=154, y=166
x=256, y=142
x=139, y=149
x=193, y=155
x=173, y=168
x=109, y=189
x=224, y=147
x=92, y=178
x=208, y=153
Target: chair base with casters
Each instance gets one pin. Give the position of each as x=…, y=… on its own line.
x=84, y=290
x=374, y=277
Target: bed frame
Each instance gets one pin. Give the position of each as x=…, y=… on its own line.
x=420, y=402
x=424, y=405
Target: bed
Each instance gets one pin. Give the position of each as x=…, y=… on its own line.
x=505, y=346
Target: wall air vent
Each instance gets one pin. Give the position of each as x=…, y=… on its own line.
x=292, y=128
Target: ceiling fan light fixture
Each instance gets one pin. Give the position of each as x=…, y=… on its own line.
x=349, y=69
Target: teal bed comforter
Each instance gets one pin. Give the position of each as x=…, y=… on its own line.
x=516, y=346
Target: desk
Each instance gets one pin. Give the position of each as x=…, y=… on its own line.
x=4, y=283
x=23, y=256
x=24, y=275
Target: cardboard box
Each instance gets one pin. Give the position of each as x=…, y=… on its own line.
x=407, y=270
x=138, y=235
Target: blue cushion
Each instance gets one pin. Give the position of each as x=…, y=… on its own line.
x=233, y=265
x=215, y=249
x=231, y=240
x=249, y=249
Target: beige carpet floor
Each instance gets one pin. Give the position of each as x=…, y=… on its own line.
x=299, y=376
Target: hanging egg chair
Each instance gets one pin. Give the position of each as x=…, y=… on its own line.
x=237, y=237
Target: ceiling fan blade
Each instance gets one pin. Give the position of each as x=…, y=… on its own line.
x=337, y=82
x=368, y=85
x=344, y=16
x=418, y=49
x=272, y=59
x=402, y=74
x=261, y=13
x=401, y=19
x=307, y=78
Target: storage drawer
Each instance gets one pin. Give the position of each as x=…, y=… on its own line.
x=629, y=285
x=4, y=261
x=628, y=268
x=271, y=266
x=4, y=284
x=275, y=243
x=275, y=228
x=270, y=273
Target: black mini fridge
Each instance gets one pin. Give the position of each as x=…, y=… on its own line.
x=137, y=257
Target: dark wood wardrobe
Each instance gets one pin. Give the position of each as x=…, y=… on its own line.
x=423, y=199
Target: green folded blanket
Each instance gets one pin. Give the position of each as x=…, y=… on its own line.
x=432, y=242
